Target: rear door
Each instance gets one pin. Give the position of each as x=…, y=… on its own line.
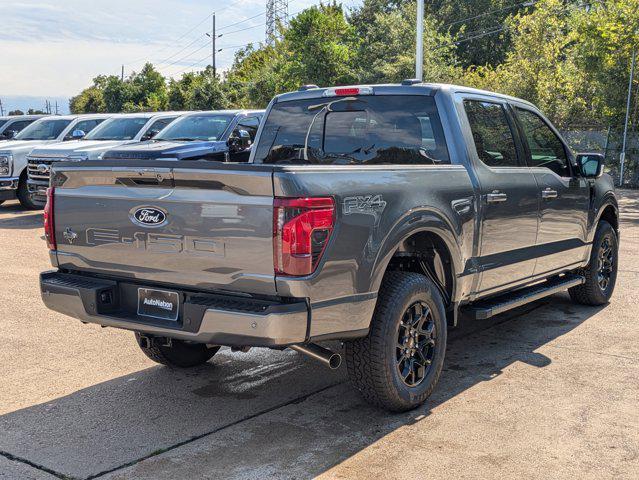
x=197, y=226
x=509, y=195
x=564, y=196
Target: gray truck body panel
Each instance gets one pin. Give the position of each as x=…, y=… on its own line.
x=218, y=234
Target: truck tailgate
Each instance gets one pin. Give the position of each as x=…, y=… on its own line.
x=185, y=224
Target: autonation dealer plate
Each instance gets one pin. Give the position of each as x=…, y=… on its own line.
x=158, y=303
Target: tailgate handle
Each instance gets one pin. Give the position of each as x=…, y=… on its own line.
x=141, y=177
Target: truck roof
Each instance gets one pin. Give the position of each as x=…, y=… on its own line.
x=417, y=88
x=83, y=115
x=149, y=114
x=224, y=112
x=23, y=117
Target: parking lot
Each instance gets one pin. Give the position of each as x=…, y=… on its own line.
x=548, y=391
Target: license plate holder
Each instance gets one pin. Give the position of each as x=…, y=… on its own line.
x=160, y=304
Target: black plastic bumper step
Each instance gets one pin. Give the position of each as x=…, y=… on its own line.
x=493, y=306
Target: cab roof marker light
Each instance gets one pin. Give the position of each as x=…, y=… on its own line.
x=347, y=91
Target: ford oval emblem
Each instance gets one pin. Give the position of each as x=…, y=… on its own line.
x=148, y=216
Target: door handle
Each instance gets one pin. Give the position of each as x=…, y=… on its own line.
x=496, y=197
x=549, y=193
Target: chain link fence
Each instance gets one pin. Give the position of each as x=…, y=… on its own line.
x=607, y=141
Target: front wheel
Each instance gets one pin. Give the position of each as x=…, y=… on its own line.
x=399, y=363
x=180, y=354
x=24, y=196
x=601, y=272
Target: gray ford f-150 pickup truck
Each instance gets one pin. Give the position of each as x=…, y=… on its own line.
x=373, y=215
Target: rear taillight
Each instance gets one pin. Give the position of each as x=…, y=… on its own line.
x=301, y=230
x=49, y=224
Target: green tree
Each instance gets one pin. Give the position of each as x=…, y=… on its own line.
x=148, y=91
x=197, y=91
x=387, y=51
x=15, y=112
x=90, y=100
x=319, y=47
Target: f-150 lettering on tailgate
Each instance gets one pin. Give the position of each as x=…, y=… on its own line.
x=157, y=242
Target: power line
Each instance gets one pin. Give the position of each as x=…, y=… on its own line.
x=181, y=59
x=176, y=40
x=241, y=21
x=528, y=3
x=180, y=51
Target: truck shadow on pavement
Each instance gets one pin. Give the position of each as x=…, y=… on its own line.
x=290, y=406
x=23, y=220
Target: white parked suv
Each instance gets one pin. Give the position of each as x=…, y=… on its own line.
x=13, y=153
x=114, y=132
x=12, y=125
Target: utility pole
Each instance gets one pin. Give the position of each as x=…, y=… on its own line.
x=213, y=35
x=419, y=50
x=122, y=74
x=622, y=156
x=56, y=107
x=1, y=109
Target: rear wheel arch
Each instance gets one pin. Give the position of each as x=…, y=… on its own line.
x=431, y=240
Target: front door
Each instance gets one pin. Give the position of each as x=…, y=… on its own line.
x=509, y=196
x=564, y=196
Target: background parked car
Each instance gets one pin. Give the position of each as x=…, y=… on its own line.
x=12, y=125
x=13, y=154
x=222, y=135
x=114, y=132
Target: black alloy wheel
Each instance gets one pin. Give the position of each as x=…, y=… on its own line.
x=416, y=340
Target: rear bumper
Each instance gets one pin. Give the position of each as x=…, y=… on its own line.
x=205, y=318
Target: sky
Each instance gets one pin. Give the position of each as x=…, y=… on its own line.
x=54, y=48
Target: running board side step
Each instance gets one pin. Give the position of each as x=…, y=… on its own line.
x=483, y=309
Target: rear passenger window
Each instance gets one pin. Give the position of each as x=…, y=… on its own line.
x=546, y=150
x=492, y=135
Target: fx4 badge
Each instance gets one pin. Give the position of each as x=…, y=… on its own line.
x=365, y=204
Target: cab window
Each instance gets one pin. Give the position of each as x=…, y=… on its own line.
x=494, y=140
x=250, y=124
x=546, y=149
x=85, y=125
x=160, y=124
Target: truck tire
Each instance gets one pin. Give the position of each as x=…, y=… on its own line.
x=398, y=364
x=601, y=272
x=24, y=196
x=180, y=354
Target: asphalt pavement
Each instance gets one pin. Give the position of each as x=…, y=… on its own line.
x=550, y=390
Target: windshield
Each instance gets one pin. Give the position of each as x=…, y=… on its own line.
x=117, y=129
x=380, y=129
x=43, y=130
x=196, y=127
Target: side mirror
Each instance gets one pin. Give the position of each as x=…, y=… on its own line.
x=150, y=134
x=78, y=134
x=591, y=165
x=240, y=141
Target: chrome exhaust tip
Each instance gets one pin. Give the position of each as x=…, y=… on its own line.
x=329, y=358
